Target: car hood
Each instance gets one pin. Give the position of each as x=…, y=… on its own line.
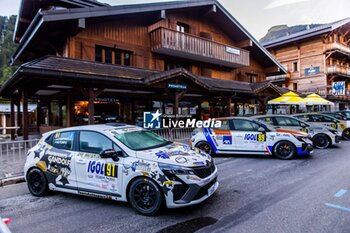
x=176, y=154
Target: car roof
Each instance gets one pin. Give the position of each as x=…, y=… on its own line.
x=233, y=118
x=98, y=127
x=272, y=115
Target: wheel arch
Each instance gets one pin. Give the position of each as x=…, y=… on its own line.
x=141, y=176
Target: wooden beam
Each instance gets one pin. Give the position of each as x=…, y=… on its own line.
x=91, y=106
x=70, y=111
x=25, y=115
x=271, y=70
x=12, y=118
x=245, y=44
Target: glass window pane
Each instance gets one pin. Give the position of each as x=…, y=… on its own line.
x=63, y=140
x=98, y=53
x=244, y=125
x=118, y=57
x=108, y=56
x=92, y=142
x=127, y=59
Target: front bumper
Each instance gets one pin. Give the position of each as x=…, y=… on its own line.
x=337, y=139
x=189, y=192
x=305, y=149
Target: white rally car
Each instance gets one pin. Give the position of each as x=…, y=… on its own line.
x=321, y=136
x=238, y=135
x=121, y=162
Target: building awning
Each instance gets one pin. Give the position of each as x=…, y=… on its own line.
x=50, y=74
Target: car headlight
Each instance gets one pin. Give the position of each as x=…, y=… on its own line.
x=171, y=171
x=300, y=138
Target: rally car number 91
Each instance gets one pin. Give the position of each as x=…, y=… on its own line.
x=121, y=162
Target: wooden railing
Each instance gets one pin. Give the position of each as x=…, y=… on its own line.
x=338, y=46
x=184, y=45
x=336, y=69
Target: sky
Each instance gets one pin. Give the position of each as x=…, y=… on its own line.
x=257, y=16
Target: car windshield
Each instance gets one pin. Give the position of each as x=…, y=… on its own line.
x=141, y=139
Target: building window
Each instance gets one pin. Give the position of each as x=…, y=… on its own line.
x=113, y=56
x=171, y=64
x=252, y=78
x=182, y=27
x=295, y=67
x=295, y=86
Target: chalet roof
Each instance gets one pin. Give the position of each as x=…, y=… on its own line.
x=29, y=8
x=223, y=17
x=79, y=71
x=302, y=35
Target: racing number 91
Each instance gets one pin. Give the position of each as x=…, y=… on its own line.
x=110, y=170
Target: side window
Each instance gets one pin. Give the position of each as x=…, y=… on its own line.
x=92, y=142
x=268, y=120
x=304, y=118
x=285, y=121
x=320, y=118
x=63, y=140
x=245, y=125
x=224, y=126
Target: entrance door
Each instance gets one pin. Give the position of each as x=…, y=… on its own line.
x=98, y=175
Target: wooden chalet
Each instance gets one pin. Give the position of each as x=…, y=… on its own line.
x=317, y=60
x=85, y=62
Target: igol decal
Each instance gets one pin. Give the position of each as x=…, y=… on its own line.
x=107, y=169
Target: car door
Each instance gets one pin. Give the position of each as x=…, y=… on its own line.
x=58, y=160
x=288, y=123
x=246, y=136
x=97, y=175
x=223, y=136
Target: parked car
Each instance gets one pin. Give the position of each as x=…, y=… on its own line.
x=321, y=136
x=345, y=117
x=121, y=162
x=319, y=119
x=241, y=135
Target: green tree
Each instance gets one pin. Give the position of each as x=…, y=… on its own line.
x=7, y=46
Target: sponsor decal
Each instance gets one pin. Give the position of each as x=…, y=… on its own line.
x=198, y=163
x=168, y=182
x=162, y=155
x=255, y=137
x=193, y=178
x=106, y=169
x=227, y=140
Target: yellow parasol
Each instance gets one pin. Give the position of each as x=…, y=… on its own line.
x=315, y=99
x=289, y=98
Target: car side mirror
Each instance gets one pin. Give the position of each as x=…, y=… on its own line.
x=303, y=125
x=261, y=130
x=111, y=153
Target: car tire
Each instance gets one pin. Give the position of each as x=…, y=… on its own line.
x=145, y=196
x=206, y=147
x=37, y=182
x=284, y=150
x=321, y=141
x=346, y=134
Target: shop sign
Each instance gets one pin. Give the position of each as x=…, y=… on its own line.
x=338, y=88
x=177, y=86
x=312, y=70
x=233, y=50
x=107, y=100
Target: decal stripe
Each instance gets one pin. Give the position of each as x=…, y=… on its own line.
x=290, y=131
x=222, y=132
x=207, y=134
x=89, y=190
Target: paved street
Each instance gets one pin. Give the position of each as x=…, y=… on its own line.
x=256, y=194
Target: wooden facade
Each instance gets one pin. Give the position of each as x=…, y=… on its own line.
x=129, y=55
x=315, y=62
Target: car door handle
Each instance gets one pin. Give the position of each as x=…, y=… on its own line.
x=81, y=161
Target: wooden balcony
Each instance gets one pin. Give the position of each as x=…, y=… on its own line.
x=337, y=46
x=339, y=70
x=278, y=78
x=326, y=91
x=173, y=43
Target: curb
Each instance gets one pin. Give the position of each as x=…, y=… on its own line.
x=12, y=180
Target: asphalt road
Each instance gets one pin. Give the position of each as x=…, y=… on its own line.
x=256, y=194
